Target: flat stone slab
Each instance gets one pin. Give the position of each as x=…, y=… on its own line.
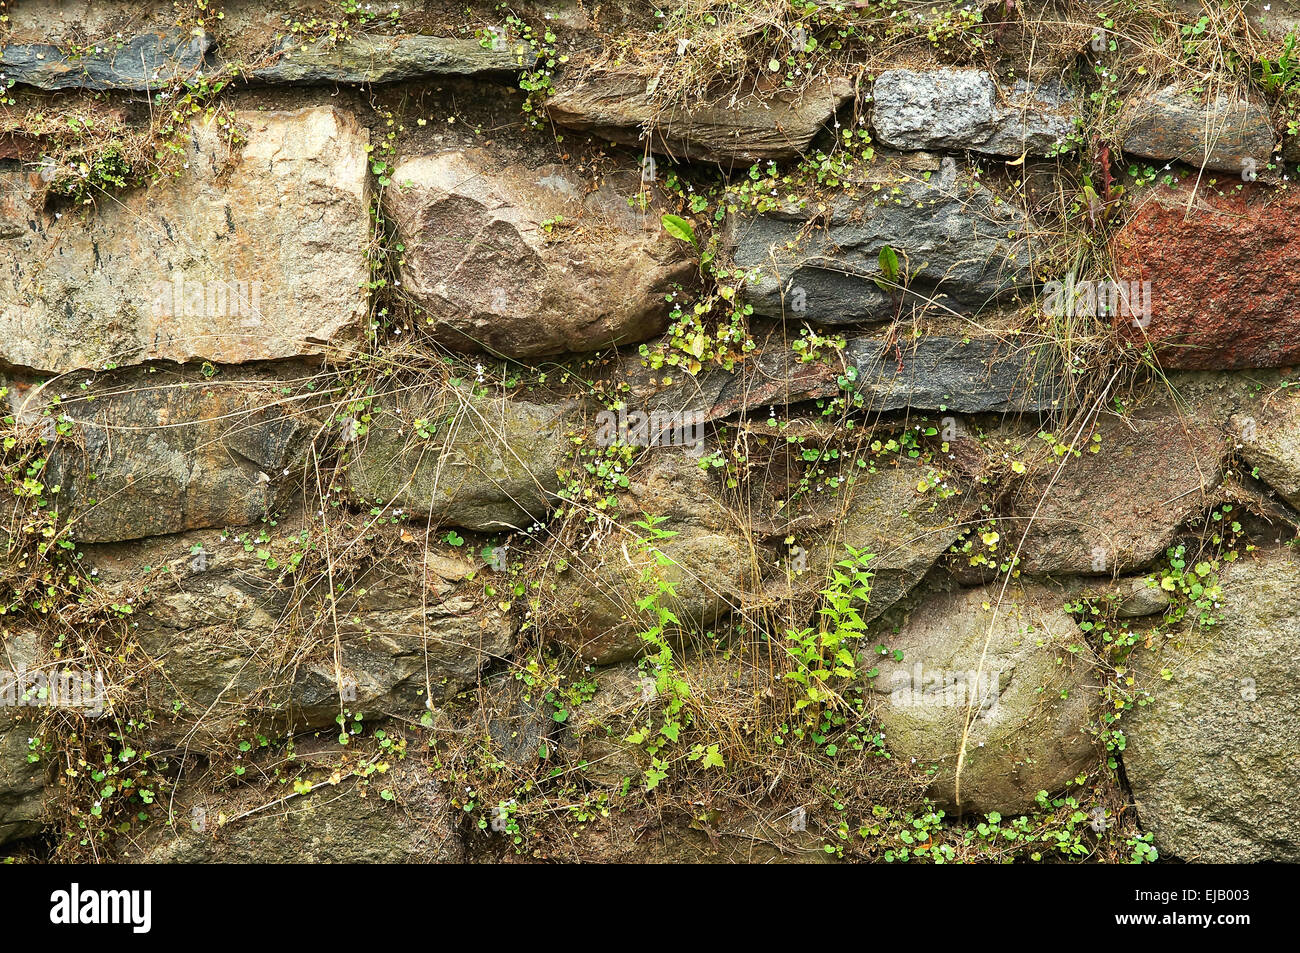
x=753, y=129
x=389, y=59
x=144, y=62
x=1232, y=132
x=255, y=253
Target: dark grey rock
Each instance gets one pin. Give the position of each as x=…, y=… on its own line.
x=960, y=244
x=962, y=109
x=143, y=62
x=1232, y=132
x=388, y=59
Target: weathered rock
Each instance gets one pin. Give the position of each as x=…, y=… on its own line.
x=1204, y=315
x=886, y=514
x=487, y=463
x=1117, y=509
x=346, y=823
x=231, y=638
x=752, y=129
x=144, y=62
x=1269, y=441
x=953, y=373
x=960, y=245
x=527, y=260
x=21, y=199
x=253, y=254
x=1142, y=597
x=168, y=454
x=1232, y=133
x=710, y=565
x=22, y=781
x=597, y=730
x=1214, y=758
x=964, y=109
x=1028, y=698
x=373, y=58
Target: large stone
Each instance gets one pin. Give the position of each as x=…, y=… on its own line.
x=401, y=816
x=372, y=58
x=486, y=463
x=1205, y=314
x=1269, y=441
x=733, y=131
x=1233, y=132
x=960, y=245
x=1117, y=509
x=958, y=109
x=1214, y=758
x=22, y=781
x=1004, y=667
x=255, y=253
x=888, y=515
x=144, y=62
x=163, y=454
x=953, y=373
x=232, y=638
x=589, y=601
x=525, y=259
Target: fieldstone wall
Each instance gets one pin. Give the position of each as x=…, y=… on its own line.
x=438, y=434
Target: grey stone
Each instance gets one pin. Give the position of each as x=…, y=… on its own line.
x=231, y=639
x=387, y=59
x=1213, y=758
x=1231, y=131
x=145, y=62
x=1142, y=597
x=487, y=464
x=1269, y=442
x=1028, y=699
x=733, y=131
x=959, y=109
x=960, y=245
x=150, y=455
x=22, y=781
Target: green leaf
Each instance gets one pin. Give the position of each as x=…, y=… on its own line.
x=889, y=263
x=679, y=228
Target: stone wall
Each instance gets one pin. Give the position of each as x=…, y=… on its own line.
x=590, y=434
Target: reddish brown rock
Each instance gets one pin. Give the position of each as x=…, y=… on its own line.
x=1224, y=272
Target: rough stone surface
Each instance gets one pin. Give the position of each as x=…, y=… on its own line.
x=755, y=128
x=22, y=783
x=952, y=373
x=171, y=453
x=229, y=637
x=965, y=109
x=488, y=464
x=592, y=608
x=1116, y=510
x=528, y=260
x=1142, y=597
x=1024, y=736
x=144, y=62
x=345, y=823
x=1227, y=133
x=386, y=59
x=1269, y=441
x=1222, y=267
x=1214, y=759
x=906, y=530
x=961, y=245
x=149, y=276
